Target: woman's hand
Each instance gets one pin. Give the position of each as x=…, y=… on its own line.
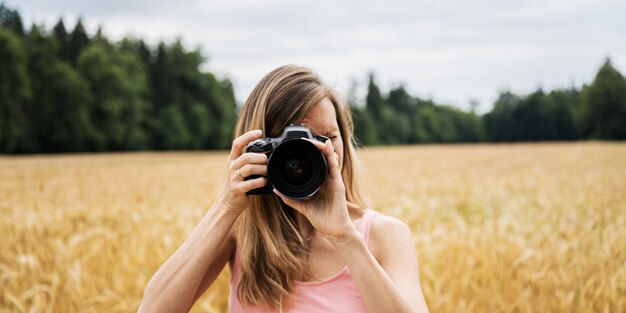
x=241, y=165
x=327, y=210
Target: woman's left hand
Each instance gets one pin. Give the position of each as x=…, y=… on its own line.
x=327, y=211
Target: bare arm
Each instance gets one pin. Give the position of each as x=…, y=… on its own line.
x=392, y=285
x=183, y=278
x=174, y=286
x=227, y=252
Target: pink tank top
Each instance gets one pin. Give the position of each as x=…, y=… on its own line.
x=338, y=292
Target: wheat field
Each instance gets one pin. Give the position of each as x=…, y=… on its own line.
x=497, y=228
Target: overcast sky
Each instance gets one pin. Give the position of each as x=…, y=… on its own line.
x=450, y=51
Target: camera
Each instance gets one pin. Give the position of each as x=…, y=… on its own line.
x=296, y=167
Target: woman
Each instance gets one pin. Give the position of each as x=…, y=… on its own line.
x=329, y=253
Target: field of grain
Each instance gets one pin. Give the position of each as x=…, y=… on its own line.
x=497, y=228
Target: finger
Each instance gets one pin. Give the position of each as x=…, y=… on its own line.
x=249, y=158
x=253, y=169
x=326, y=147
x=247, y=185
x=317, y=143
x=240, y=142
x=331, y=156
x=333, y=160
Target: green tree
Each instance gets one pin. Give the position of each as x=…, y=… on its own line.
x=70, y=126
x=178, y=84
x=136, y=46
x=395, y=126
x=77, y=40
x=396, y=114
x=59, y=113
x=499, y=122
x=63, y=38
x=604, y=105
x=537, y=116
x=117, y=80
x=14, y=91
x=173, y=131
x=468, y=126
x=11, y=20
x=422, y=121
x=401, y=101
x=560, y=105
x=374, y=101
x=221, y=97
x=528, y=122
x=372, y=116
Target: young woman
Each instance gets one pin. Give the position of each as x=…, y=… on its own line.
x=329, y=253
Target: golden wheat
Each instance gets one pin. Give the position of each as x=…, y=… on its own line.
x=498, y=228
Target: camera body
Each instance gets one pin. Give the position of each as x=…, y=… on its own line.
x=296, y=167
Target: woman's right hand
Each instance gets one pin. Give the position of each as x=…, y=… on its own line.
x=233, y=197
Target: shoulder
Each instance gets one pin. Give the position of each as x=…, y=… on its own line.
x=385, y=227
x=387, y=234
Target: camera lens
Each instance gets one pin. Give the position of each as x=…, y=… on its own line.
x=297, y=168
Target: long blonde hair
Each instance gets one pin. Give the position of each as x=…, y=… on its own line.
x=273, y=253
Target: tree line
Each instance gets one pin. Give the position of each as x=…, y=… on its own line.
x=593, y=111
x=66, y=91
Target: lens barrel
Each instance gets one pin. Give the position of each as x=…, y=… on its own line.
x=297, y=168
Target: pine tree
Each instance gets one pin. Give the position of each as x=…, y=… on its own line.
x=374, y=100
x=78, y=40
x=11, y=20
x=14, y=91
x=604, y=104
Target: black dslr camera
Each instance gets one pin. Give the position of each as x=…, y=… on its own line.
x=296, y=167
